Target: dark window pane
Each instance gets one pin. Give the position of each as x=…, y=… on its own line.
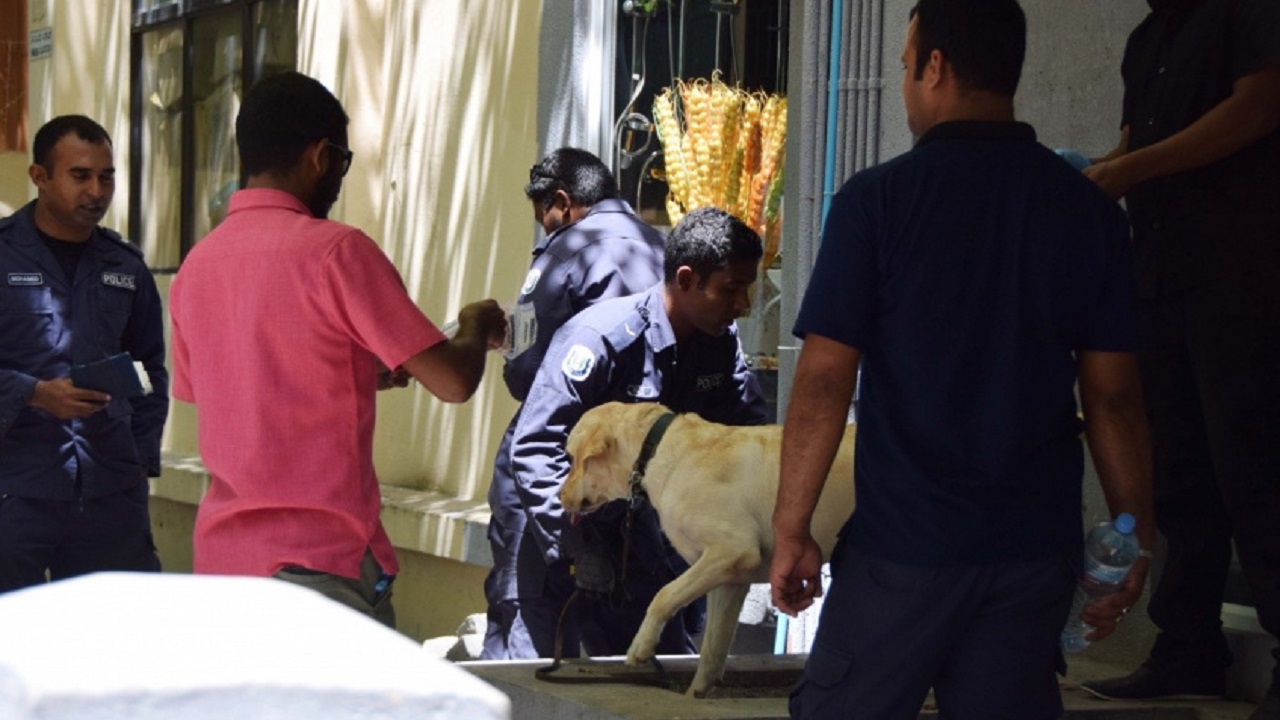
x=216, y=89
x=275, y=23
x=161, y=138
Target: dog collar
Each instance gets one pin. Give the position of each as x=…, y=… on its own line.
x=650, y=446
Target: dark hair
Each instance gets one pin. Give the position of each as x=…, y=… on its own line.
x=984, y=40
x=51, y=132
x=708, y=239
x=283, y=114
x=577, y=172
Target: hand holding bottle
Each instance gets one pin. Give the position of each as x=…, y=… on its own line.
x=1115, y=570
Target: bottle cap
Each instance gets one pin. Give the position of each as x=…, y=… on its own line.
x=1076, y=158
x=1124, y=523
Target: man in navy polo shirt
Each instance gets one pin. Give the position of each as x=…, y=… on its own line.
x=975, y=279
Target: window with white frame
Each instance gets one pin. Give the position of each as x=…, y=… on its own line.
x=192, y=60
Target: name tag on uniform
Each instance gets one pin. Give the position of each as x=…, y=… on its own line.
x=26, y=278
x=524, y=329
x=706, y=383
x=120, y=280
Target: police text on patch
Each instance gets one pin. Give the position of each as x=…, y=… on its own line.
x=120, y=280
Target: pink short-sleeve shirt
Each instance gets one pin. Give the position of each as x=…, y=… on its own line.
x=280, y=320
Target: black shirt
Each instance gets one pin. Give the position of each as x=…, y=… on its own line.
x=67, y=252
x=1221, y=219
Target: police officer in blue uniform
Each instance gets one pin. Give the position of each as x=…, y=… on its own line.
x=675, y=343
x=595, y=248
x=73, y=461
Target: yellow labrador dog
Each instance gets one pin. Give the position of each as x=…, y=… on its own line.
x=713, y=487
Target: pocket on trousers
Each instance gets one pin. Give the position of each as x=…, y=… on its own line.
x=827, y=666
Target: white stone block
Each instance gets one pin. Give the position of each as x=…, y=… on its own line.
x=468, y=647
x=439, y=647
x=182, y=647
x=474, y=623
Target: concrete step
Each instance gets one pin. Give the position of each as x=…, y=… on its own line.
x=756, y=689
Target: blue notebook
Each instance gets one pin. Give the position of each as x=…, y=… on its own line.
x=118, y=376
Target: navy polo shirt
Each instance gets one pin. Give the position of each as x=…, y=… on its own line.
x=968, y=272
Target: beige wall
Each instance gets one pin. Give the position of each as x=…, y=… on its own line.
x=87, y=74
x=442, y=98
x=15, y=188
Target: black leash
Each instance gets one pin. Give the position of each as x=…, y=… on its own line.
x=549, y=673
x=637, y=494
x=635, y=485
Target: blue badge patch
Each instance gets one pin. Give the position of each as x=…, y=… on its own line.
x=531, y=281
x=578, y=363
x=120, y=280
x=31, y=278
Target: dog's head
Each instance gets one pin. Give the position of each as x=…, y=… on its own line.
x=603, y=446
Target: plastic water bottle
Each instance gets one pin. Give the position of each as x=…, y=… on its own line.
x=450, y=329
x=1110, y=550
x=1075, y=158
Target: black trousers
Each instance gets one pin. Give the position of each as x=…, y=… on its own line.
x=1210, y=364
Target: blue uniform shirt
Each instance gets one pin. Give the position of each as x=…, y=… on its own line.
x=48, y=324
x=969, y=272
x=608, y=253
x=622, y=349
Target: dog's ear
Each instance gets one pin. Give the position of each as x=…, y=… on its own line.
x=589, y=439
x=594, y=440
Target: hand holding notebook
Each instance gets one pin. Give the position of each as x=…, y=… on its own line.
x=118, y=376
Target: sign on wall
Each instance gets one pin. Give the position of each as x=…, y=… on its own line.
x=41, y=43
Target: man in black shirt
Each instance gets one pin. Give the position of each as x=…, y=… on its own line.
x=1199, y=165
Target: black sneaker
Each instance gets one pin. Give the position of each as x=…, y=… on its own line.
x=1165, y=683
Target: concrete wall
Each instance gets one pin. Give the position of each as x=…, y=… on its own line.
x=1070, y=89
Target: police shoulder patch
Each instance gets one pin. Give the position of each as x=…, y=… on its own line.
x=578, y=363
x=531, y=281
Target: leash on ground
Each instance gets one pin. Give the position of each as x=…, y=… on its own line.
x=552, y=674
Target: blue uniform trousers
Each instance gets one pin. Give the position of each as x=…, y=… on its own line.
x=984, y=637
x=74, y=537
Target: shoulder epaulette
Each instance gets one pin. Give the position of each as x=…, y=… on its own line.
x=120, y=240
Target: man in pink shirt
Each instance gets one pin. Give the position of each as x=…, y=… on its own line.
x=283, y=324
